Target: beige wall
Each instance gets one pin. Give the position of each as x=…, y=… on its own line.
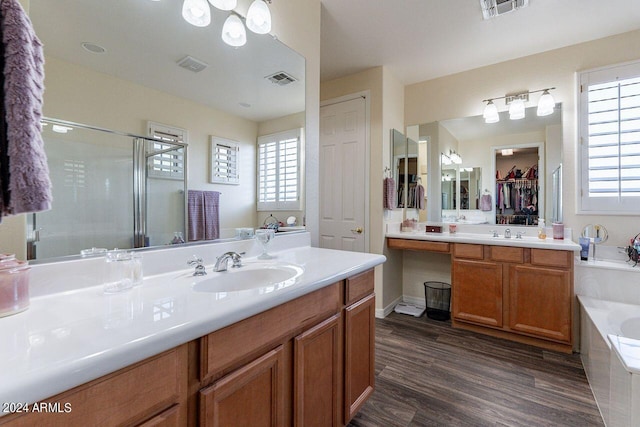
x=386, y=100
x=461, y=95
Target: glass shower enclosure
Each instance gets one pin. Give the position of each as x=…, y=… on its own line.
x=110, y=190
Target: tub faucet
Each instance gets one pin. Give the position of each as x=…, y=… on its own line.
x=200, y=271
x=223, y=260
x=507, y=233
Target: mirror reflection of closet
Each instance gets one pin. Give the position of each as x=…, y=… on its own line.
x=399, y=154
x=519, y=184
x=449, y=180
x=470, y=184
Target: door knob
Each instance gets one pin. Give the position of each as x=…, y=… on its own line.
x=357, y=230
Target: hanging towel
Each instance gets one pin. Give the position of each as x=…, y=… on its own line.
x=29, y=182
x=485, y=202
x=389, y=193
x=203, y=211
x=420, y=204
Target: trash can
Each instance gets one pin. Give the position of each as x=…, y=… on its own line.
x=437, y=296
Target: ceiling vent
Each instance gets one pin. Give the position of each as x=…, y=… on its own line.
x=281, y=78
x=192, y=64
x=493, y=8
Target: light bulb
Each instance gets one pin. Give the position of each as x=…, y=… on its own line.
x=259, y=17
x=233, y=32
x=546, y=104
x=491, y=113
x=196, y=12
x=224, y=4
x=516, y=109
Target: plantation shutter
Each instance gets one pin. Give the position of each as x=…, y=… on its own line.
x=279, y=171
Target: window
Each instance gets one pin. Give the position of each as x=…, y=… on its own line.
x=279, y=171
x=609, y=113
x=165, y=159
x=224, y=161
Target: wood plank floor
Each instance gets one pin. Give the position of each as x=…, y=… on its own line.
x=429, y=374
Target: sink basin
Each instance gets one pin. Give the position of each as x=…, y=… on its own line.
x=264, y=276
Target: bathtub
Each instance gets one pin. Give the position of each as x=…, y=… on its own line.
x=609, y=297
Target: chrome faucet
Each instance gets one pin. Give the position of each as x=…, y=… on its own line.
x=200, y=271
x=507, y=233
x=495, y=233
x=223, y=260
x=519, y=234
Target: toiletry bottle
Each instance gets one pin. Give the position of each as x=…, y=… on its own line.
x=542, y=234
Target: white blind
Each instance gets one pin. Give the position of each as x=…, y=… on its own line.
x=164, y=158
x=279, y=171
x=224, y=161
x=610, y=136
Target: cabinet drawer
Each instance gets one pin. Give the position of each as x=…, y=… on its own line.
x=126, y=397
x=506, y=254
x=466, y=250
x=358, y=287
x=551, y=258
x=418, y=245
x=237, y=343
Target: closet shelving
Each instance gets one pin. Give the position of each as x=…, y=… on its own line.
x=517, y=198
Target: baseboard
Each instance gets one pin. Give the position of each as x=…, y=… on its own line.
x=381, y=313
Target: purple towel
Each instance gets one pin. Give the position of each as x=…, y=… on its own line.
x=389, y=193
x=203, y=213
x=420, y=204
x=485, y=202
x=29, y=183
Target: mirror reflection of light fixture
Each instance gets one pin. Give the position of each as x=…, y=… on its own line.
x=233, y=32
x=259, y=17
x=546, y=105
x=446, y=160
x=61, y=129
x=455, y=157
x=507, y=151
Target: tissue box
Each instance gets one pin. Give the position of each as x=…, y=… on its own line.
x=433, y=229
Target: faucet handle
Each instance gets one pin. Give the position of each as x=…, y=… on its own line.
x=519, y=234
x=200, y=270
x=195, y=260
x=495, y=233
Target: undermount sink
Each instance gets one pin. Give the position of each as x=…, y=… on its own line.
x=269, y=277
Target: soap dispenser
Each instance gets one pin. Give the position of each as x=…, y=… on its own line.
x=542, y=234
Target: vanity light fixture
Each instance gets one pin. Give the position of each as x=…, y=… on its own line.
x=445, y=160
x=233, y=32
x=198, y=13
x=259, y=17
x=516, y=103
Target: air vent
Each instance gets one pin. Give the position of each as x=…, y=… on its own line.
x=281, y=78
x=493, y=8
x=192, y=64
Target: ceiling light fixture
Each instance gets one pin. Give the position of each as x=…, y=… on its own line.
x=546, y=105
x=198, y=13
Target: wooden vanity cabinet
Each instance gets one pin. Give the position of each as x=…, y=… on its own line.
x=149, y=393
x=523, y=294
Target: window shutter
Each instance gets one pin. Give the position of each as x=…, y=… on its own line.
x=225, y=157
x=279, y=171
x=610, y=135
x=164, y=160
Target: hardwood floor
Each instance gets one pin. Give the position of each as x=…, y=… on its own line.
x=429, y=374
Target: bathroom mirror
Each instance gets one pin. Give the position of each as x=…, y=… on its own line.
x=470, y=187
x=143, y=42
x=399, y=157
x=449, y=193
x=474, y=139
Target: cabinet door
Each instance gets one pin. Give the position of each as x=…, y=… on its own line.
x=251, y=396
x=316, y=375
x=477, y=292
x=359, y=369
x=540, y=302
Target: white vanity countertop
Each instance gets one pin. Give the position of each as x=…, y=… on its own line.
x=486, y=239
x=69, y=338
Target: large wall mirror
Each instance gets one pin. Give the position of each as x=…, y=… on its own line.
x=132, y=49
x=472, y=190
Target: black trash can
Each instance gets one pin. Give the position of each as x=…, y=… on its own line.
x=437, y=296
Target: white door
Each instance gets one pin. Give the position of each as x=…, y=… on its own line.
x=343, y=184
